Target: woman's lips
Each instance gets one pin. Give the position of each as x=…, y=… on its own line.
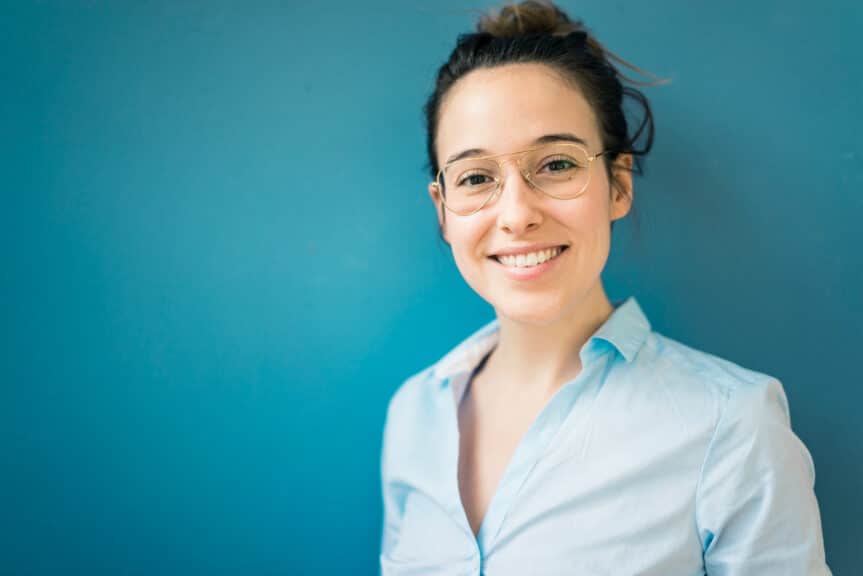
x=527, y=273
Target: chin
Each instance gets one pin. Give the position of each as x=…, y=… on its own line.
x=538, y=310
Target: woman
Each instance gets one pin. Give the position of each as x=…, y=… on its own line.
x=567, y=437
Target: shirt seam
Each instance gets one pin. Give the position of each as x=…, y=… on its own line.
x=727, y=392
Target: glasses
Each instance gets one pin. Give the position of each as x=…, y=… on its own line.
x=560, y=170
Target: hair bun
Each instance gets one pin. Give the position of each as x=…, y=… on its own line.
x=536, y=17
x=526, y=18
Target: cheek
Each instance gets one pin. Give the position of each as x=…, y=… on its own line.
x=589, y=230
x=587, y=219
x=466, y=233
x=467, y=237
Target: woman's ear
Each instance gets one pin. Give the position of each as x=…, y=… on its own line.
x=434, y=193
x=621, y=186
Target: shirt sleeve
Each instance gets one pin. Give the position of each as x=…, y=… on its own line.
x=756, y=510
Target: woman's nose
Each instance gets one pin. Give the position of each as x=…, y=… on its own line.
x=518, y=205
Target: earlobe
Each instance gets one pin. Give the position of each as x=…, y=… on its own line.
x=621, y=200
x=434, y=194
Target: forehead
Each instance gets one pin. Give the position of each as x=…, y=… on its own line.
x=505, y=108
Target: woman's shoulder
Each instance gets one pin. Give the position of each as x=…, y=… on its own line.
x=715, y=382
x=735, y=410
x=413, y=390
x=664, y=352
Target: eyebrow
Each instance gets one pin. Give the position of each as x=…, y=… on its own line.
x=563, y=136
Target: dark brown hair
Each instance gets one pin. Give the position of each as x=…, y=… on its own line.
x=536, y=31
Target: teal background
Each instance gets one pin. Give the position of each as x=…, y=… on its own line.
x=219, y=259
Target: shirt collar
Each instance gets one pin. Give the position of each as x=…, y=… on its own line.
x=625, y=330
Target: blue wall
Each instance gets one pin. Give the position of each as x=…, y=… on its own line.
x=219, y=259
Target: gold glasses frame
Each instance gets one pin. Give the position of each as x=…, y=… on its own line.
x=524, y=172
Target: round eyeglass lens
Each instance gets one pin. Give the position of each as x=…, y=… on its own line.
x=559, y=170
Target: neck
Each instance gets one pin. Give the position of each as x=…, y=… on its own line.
x=544, y=357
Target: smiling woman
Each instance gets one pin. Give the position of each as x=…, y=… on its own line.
x=512, y=107
x=567, y=436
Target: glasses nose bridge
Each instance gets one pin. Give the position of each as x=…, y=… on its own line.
x=518, y=157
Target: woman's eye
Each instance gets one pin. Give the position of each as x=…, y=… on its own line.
x=560, y=164
x=474, y=180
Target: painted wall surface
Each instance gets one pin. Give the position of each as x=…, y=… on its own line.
x=219, y=259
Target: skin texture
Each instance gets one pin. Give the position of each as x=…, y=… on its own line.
x=543, y=322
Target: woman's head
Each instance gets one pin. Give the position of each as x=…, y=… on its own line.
x=531, y=76
x=539, y=32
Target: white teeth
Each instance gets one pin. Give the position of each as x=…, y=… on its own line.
x=530, y=259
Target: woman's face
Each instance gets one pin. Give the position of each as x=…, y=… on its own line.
x=506, y=109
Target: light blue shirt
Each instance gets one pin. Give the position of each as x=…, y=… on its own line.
x=657, y=459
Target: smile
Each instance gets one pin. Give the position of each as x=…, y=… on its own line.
x=530, y=259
